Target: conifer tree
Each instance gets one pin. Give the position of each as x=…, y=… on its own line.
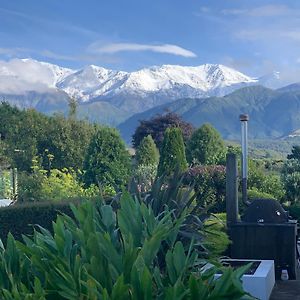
x=107, y=161
x=206, y=146
x=172, y=154
x=147, y=152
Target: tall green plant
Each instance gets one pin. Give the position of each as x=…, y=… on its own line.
x=107, y=161
x=104, y=254
x=206, y=146
x=172, y=154
x=147, y=152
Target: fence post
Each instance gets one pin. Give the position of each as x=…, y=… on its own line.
x=15, y=183
x=231, y=188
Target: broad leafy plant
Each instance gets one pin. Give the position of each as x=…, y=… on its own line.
x=130, y=253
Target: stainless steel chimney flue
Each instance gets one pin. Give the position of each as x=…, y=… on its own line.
x=244, y=118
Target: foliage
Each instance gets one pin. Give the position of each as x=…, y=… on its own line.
x=72, y=108
x=173, y=193
x=147, y=152
x=144, y=176
x=172, y=153
x=107, y=161
x=67, y=141
x=254, y=193
x=261, y=180
x=5, y=184
x=292, y=186
x=216, y=238
x=53, y=185
x=66, y=265
x=206, y=146
x=291, y=179
x=235, y=149
x=62, y=185
x=157, y=126
x=19, y=219
x=294, y=211
x=209, y=186
x=295, y=153
x=27, y=134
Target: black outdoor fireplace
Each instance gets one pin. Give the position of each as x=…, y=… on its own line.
x=265, y=211
x=264, y=232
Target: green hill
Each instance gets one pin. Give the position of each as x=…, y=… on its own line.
x=273, y=114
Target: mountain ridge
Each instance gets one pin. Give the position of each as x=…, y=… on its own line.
x=273, y=113
x=92, y=81
x=206, y=93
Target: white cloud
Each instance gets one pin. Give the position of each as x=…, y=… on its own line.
x=12, y=52
x=50, y=54
x=120, y=47
x=234, y=11
x=263, y=11
x=267, y=34
x=18, y=76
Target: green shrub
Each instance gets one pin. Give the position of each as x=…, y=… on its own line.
x=108, y=255
x=256, y=194
x=144, y=176
x=172, y=155
x=147, y=152
x=294, y=211
x=5, y=184
x=20, y=218
x=54, y=185
x=107, y=162
x=216, y=240
x=262, y=181
x=206, y=146
x=209, y=185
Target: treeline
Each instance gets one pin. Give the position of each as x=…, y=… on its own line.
x=55, y=141
x=58, y=157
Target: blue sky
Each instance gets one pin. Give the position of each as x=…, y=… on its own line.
x=255, y=37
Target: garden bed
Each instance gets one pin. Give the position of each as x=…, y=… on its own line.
x=261, y=282
x=240, y=263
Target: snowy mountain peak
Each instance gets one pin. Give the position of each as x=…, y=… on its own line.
x=90, y=82
x=271, y=80
x=158, y=84
x=202, y=78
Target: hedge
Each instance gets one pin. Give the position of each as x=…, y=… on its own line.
x=21, y=219
x=294, y=212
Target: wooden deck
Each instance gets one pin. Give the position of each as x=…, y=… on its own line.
x=287, y=290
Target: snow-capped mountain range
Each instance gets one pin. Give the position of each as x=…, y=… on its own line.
x=25, y=82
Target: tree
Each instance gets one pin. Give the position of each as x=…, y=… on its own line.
x=147, y=152
x=28, y=133
x=157, y=126
x=72, y=108
x=172, y=153
x=107, y=161
x=291, y=179
x=67, y=140
x=295, y=153
x=206, y=146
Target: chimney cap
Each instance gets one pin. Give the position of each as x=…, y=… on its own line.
x=244, y=117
